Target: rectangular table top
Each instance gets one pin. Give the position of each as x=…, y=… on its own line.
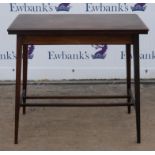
x=48, y=23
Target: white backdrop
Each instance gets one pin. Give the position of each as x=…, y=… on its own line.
x=75, y=62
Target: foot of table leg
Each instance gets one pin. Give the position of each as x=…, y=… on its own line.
x=25, y=66
x=128, y=69
x=137, y=86
x=18, y=85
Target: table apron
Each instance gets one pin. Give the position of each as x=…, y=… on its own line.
x=81, y=39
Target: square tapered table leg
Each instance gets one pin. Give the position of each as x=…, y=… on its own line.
x=137, y=85
x=18, y=86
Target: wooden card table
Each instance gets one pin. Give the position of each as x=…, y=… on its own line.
x=115, y=29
